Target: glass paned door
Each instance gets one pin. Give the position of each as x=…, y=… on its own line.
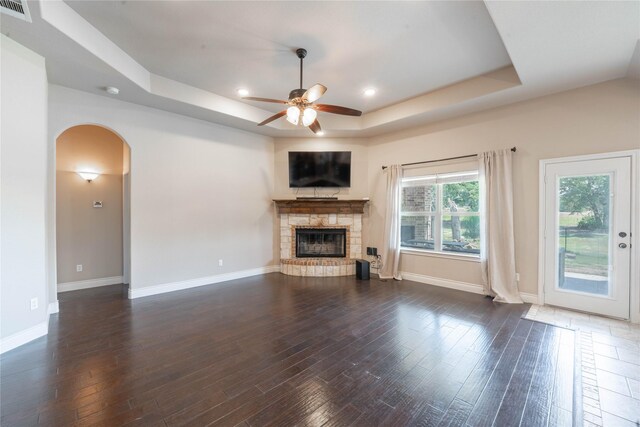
x=587, y=239
x=583, y=229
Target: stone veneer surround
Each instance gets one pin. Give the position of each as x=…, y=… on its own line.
x=319, y=267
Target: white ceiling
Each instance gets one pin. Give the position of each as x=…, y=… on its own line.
x=190, y=57
x=403, y=49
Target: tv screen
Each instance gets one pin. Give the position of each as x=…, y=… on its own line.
x=319, y=169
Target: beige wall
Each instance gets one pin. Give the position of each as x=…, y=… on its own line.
x=86, y=235
x=359, y=165
x=595, y=119
x=90, y=148
x=359, y=172
x=190, y=200
x=200, y=192
x=23, y=154
x=126, y=213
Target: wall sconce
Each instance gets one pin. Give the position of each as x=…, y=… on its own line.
x=89, y=176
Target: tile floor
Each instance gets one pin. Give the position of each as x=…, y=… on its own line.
x=610, y=353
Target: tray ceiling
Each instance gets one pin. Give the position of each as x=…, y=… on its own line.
x=429, y=61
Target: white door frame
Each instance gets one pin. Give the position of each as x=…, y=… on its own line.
x=634, y=298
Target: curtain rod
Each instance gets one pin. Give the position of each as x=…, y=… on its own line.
x=442, y=160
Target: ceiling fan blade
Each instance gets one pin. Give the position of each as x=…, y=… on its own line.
x=336, y=109
x=314, y=92
x=276, y=101
x=315, y=126
x=272, y=118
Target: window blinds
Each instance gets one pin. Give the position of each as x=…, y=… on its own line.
x=448, y=178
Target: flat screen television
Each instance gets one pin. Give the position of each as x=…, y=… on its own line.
x=319, y=169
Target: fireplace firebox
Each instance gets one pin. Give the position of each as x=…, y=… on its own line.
x=321, y=242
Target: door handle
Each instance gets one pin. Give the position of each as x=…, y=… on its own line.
x=622, y=245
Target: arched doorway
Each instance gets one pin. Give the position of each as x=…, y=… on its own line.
x=92, y=208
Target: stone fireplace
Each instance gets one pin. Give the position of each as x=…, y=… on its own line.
x=320, y=237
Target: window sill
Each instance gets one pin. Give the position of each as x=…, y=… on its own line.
x=457, y=257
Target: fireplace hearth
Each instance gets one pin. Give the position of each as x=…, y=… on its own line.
x=321, y=242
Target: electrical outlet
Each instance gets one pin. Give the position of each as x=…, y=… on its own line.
x=34, y=303
x=220, y=263
x=517, y=277
x=79, y=268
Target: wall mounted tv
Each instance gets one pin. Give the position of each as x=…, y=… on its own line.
x=319, y=169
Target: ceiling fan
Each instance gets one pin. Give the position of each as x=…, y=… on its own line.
x=302, y=108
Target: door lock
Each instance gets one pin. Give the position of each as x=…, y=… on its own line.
x=622, y=245
x=622, y=234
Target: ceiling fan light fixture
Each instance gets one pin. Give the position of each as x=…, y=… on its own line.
x=293, y=115
x=309, y=116
x=302, y=107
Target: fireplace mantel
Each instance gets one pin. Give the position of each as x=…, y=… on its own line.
x=320, y=206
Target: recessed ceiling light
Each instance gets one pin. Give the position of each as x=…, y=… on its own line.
x=369, y=92
x=242, y=92
x=320, y=133
x=112, y=90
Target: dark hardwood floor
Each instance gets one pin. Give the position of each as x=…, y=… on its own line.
x=279, y=350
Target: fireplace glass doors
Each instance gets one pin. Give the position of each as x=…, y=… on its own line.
x=321, y=242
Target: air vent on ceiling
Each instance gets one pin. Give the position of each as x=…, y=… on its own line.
x=15, y=8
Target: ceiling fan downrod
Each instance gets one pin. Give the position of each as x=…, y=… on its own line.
x=297, y=93
x=301, y=54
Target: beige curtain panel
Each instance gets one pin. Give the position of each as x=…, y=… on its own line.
x=497, y=250
x=391, y=245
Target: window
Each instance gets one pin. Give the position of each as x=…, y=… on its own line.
x=439, y=213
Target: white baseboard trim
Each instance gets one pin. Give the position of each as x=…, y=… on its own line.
x=529, y=298
x=202, y=281
x=444, y=283
x=23, y=337
x=460, y=286
x=53, y=308
x=91, y=283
